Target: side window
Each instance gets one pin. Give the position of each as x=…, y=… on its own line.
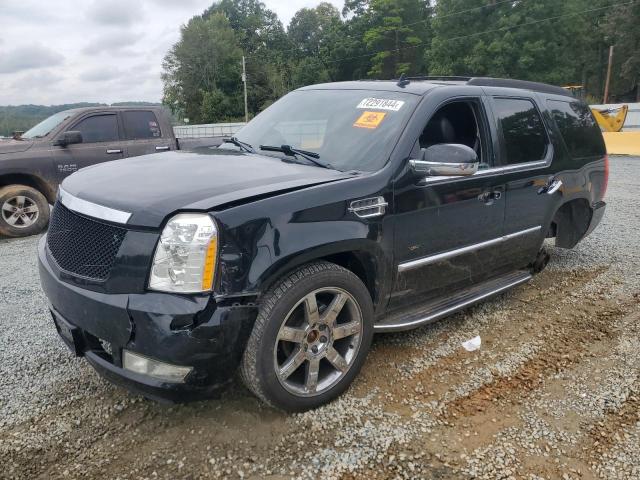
x=457, y=122
x=578, y=128
x=98, y=128
x=525, y=138
x=140, y=124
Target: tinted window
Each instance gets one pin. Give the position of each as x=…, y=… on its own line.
x=140, y=124
x=524, y=135
x=98, y=128
x=578, y=128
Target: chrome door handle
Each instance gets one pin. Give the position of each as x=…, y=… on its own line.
x=164, y=147
x=489, y=197
x=114, y=150
x=554, y=187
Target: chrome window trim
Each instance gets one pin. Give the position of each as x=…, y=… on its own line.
x=494, y=170
x=421, y=262
x=93, y=210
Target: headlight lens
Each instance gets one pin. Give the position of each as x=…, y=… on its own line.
x=185, y=257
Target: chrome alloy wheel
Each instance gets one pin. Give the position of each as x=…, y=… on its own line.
x=318, y=341
x=20, y=211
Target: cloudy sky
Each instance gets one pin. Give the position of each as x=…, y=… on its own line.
x=65, y=51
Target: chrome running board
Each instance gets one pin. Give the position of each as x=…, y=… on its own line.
x=441, y=307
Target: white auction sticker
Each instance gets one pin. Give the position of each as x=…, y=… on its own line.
x=381, y=104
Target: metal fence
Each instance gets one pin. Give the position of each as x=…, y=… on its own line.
x=207, y=130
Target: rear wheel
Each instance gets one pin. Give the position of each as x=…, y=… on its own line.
x=310, y=339
x=23, y=211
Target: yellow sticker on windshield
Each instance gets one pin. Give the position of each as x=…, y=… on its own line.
x=370, y=120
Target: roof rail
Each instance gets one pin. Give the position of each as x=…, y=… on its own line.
x=523, y=84
x=492, y=82
x=443, y=78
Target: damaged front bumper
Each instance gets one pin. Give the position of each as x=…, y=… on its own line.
x=191, y=331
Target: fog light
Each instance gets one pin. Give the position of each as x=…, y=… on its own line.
x=154, y=368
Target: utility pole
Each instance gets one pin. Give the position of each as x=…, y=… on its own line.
x=608, y=81
x=244, y=80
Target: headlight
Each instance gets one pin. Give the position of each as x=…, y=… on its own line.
x=185, y=257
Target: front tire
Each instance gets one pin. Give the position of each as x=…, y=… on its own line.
x=24, y=211
x=311, y=336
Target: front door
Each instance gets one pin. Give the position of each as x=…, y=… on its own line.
x=100, y=143
x=447, y=229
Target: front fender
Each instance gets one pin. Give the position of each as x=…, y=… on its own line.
x=261, y=242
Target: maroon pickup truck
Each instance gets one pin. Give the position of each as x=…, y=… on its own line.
x=33, y=165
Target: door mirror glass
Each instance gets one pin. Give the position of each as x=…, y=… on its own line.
x=445, y=159
x=69, y=138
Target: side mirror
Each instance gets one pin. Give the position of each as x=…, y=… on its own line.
x=446, y=159
x=69, y=138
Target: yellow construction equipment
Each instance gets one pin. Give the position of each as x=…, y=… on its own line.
x=610, y=121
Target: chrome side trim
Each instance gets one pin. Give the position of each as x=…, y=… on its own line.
x=453, y=308
x=93, y=210
x=420, y=262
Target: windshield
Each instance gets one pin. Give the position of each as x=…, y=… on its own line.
x=44, y=127
x=348, y=129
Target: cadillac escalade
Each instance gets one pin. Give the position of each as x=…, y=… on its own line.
x=342, y=210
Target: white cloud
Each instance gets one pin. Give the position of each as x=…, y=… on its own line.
x=116, y=12
x=27, y=57
x=64, y=51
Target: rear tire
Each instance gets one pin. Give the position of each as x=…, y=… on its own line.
x=311, y=336
x=24, y=211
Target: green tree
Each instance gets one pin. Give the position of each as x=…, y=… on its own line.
x=205, y=64
x=396, y=35
x=621, y=28
x=263, y=40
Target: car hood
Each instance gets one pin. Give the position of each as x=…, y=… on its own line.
x=152, y=187
x=14, y=146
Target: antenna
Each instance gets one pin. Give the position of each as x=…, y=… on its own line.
x=403, y=81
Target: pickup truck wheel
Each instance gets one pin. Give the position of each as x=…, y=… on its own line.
x=23, y=211
x=310, y=339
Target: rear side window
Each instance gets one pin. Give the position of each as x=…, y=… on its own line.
x=578, y=128
x=98, y=128
x=140, y=125
x=525, y=138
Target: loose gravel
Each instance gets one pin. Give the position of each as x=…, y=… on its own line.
x=554, y=391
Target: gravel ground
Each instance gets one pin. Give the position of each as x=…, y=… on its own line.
x=554, y=391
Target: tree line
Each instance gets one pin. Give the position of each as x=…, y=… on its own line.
x=559, y=42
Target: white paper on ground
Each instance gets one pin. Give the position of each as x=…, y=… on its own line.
x=473, y=344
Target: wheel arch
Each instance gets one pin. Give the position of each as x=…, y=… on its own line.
x=570, y=222
x=30, y=180
x=365, y=260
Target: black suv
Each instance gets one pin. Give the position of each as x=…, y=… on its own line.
x=342, y=210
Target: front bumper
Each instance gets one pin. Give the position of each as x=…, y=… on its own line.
x=188, y=330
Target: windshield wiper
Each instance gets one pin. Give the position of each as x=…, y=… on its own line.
x=290, y=151
x=247, y=147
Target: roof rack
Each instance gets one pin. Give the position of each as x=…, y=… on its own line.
x=523, y=84
x=493, y=82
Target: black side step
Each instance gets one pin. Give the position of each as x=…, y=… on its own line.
x=436, y=309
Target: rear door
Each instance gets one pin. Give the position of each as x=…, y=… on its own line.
x=101, y=142
x=525, y=157
x=143, y=133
